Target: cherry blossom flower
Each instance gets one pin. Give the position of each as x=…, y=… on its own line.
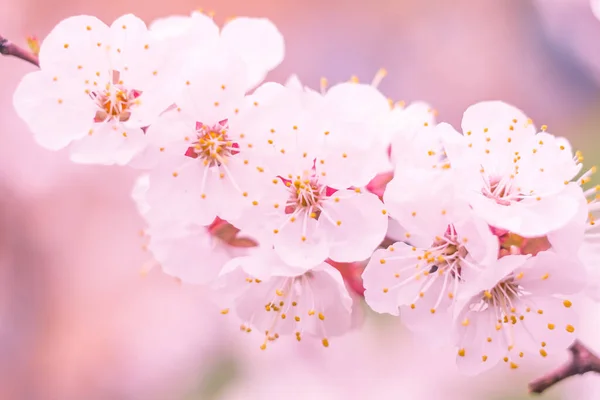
x=519, y=307
x=97, y=87
x=423, y=282
x=206, y=155
x=313, y=207
x=514, y=178
x=271, y=297
x=257, y=41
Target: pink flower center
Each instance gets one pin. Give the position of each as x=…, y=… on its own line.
x=115, y=102
x=306, y=196
x=213, y=144
x=500, y=189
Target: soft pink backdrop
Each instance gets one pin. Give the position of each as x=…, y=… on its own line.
x=79, y=321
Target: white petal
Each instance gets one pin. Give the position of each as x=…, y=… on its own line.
x=77, y=48
x=258, y=42
x=531, y=217
x=108, y=144
x=57, y=111
x=301, y=244
x=190, y=254
x=497, y=117
x=166, y=137
x=213, y=87
x=549, y=273
x=355, y=225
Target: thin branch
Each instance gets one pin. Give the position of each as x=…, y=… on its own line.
x=7, y=48
x=582, y=361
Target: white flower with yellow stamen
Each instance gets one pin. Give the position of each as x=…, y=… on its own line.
x=97, y=87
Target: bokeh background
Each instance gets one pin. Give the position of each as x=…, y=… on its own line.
x=81, y=317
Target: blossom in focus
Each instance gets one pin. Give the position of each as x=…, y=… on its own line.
x=206, y=154
x=423, y=283
x=313, y=207
x=514, y=178
x=273, y=299
x=97, y=87
x=519, y=308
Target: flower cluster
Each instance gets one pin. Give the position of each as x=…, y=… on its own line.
x=263, y=192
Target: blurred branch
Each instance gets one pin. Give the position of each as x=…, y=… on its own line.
x=7, y=48
x=582, y=361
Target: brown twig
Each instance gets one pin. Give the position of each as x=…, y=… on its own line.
x=582, y=361
x=7, y=48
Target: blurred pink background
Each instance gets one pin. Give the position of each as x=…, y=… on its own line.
x=79, y=321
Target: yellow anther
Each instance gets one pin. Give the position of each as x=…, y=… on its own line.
x=461, y=352
x=570, y=328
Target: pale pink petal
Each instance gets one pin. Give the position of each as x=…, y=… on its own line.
x=259, y=44
x=170, y=135
x=140, y=59
x=212, y=86
x=108, y=144
x=138, y=193
x=187, y=33
x=480, y=345
x=531, y=217
x=190, y=254
x=545, y=163
x=301, y=244
x=265, y=263
x=175, y=192
x=356, y=224
x=595, y=7
x=422, y=201
x=493, y=274
x=76, y=48
x=389, y=279
x=57, y=111
x=497, y=117
x=432, y=313
x=354, y=102
x=475, y=234
x=550, y=325
x=549, y=273
x=569, y=239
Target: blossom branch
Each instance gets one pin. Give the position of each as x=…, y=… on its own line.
x=8, y=48
x=582, y=361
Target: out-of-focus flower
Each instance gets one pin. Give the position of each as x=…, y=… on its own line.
x=514, y=178
x=97, y=88
x=518, y=307
x=193, y=253
x=595, y=4
x=271, y=297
